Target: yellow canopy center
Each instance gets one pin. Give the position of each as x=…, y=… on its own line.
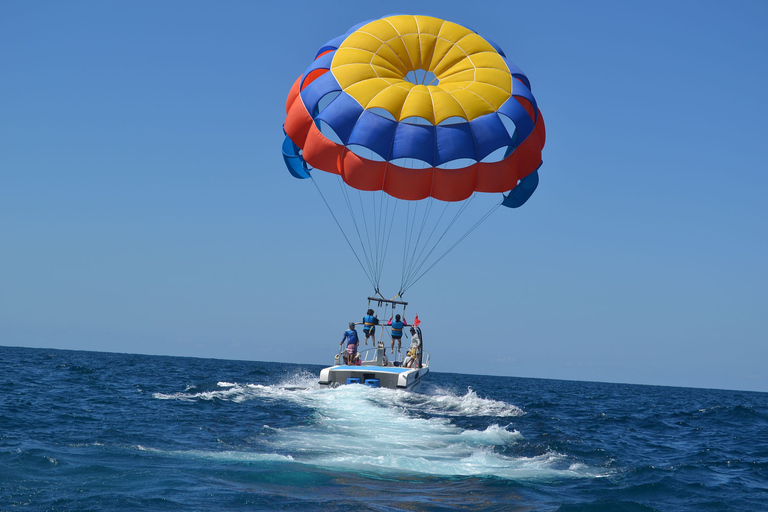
x=371, y=65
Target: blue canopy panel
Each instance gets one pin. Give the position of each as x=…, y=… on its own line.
x=519, y=89
x=341, y=115
x=414, y=141
x=375, y=133
x=517, y=72
x=454, y=142
x=522, y=192
x=517, y=113
x=293, y=160
x=315, y=91
x=323, y=62
x=333, y=44
x=489, y=134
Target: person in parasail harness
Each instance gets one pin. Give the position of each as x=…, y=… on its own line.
x=397, y=332
x=369, y=326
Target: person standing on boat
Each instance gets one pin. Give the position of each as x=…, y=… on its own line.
x=413, y=353
x=350, y=336
x=397, y=332
x=369, y=326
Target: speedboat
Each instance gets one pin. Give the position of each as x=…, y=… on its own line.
x=374, y=369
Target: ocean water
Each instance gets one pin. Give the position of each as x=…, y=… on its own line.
x=98, y=431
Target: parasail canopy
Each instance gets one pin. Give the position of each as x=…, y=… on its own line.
x=413, y=108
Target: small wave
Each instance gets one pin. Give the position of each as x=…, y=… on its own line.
x=300, y=380
x=448, y=403
x=222, y=456
x=494, y=435
x=235, y=393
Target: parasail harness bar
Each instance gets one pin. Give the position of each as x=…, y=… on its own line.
x=381, y=301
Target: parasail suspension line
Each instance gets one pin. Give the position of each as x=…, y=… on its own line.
x=465, y=235
x=423, y=260
x=375, y=285
x=371, y=273
x=418, y=261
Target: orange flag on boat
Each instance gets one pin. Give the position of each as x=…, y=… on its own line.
x=416, y=321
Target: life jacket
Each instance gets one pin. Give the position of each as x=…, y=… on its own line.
x=369, y=321
x=397, y=328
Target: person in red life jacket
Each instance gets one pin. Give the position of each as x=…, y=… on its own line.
x=397, y=332
x=350, y=336
x=369, y=326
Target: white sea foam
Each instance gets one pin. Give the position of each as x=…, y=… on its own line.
x=221, y=456
x=234, y=393
x=448, y=403
x=376, y=429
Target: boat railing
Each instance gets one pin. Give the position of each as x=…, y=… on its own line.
x=369, y=357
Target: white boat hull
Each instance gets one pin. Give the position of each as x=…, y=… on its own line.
x=392, y=377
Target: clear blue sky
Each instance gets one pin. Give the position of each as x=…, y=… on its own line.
x=145, y=207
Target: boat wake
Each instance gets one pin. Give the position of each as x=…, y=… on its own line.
x=382, y=430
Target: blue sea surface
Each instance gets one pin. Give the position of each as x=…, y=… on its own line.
x=98, y=431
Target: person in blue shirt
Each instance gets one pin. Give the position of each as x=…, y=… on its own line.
x=397, y=332
x=369, y=326
x=350, y=336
